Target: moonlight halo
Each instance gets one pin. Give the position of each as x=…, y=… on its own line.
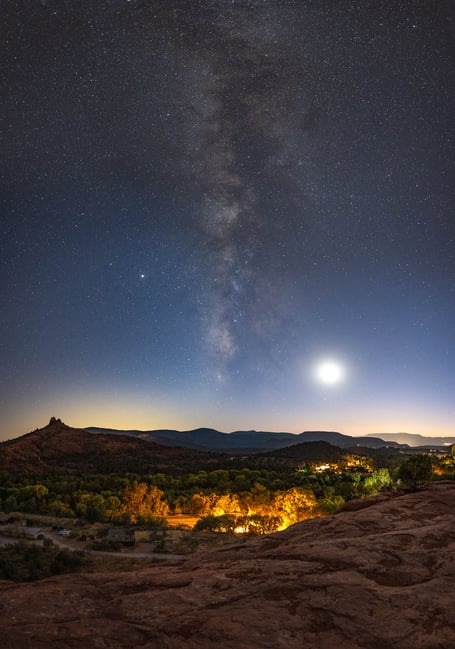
x=329, y=372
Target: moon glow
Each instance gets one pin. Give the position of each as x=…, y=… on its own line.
x=329, y=372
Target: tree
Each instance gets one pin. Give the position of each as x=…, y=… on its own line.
x=225, y=504
x=416, y=472
x=198, y=505
x=295, y=505
x=141, y=502
x=212, y=523
x=96, y=508
x=257, y=524
x=258, y=501
x=112, y=505
x=329, y=504
x=32, y=498
x=58, y=508
x=376, y=482
x=10, y=504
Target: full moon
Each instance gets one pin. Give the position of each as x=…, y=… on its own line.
x=329, y=372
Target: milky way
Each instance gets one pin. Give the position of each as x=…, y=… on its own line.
x=244, y=112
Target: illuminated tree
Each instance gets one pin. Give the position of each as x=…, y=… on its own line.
x=376, y=482
x=295, y=505
x=226, y=504
x=258, y=500
x=351, y=461
x=141, y=502
x=257, y=524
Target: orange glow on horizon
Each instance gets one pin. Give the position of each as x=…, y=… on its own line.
x=112, y=409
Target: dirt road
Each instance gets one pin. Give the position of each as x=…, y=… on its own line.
x=74, y=545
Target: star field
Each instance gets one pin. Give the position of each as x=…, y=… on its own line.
x=200, y=201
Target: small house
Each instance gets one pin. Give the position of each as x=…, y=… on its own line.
x=30, y=533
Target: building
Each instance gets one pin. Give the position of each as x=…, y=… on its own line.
x=32, y=533
x=24, y=532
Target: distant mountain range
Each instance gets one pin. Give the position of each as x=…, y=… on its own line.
x=417, y=440
x=247, y=441
x=253, y=441
x=58, y=447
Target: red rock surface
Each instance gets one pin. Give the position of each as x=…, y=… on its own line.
x=378, y=577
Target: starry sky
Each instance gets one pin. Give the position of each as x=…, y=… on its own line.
x=201, y=201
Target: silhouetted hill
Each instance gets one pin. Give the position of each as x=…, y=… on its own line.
x=200, y=439
x=344, y=441
x=309, y=452
x=58, y=447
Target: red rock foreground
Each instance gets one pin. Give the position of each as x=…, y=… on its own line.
x=379, y=576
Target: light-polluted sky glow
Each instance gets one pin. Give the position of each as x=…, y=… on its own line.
x=200, y=206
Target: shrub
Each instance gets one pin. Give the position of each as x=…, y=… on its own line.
x=65, y=562
x=416, y=472
x=8, y=568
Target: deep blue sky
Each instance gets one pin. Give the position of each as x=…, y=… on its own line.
x=201, y=201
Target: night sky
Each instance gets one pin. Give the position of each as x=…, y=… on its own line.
x=202, y=201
